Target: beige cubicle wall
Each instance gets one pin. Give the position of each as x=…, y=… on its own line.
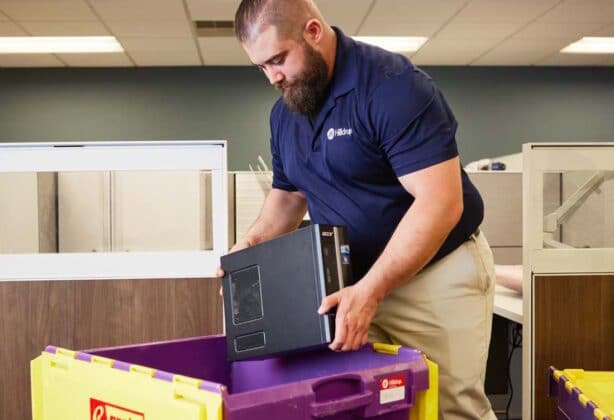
x=251, y=189
x=502, y=225
x=27, y=213
x=134, y=211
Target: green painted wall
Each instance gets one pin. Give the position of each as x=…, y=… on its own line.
x=498, y=108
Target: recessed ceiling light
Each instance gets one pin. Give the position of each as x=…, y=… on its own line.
x=402, y=44
x=591, y=45
x=58, y=44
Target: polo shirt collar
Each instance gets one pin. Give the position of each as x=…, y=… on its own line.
x=344, y=78
x=344, y=74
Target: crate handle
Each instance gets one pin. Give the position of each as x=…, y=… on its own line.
x=352, y=402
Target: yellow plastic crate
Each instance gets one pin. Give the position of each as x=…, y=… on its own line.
x=65, y=387
x=583, y=395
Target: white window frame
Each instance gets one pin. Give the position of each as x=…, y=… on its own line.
x=538, y=159
x=121, y=156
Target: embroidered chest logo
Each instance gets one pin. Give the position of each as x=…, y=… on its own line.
x=338, y=132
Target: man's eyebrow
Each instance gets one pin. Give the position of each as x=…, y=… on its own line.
x=273, y=58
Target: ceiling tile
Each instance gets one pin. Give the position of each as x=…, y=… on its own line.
x=166, y=58
x=223, y=51
x=454, y=59
x=335, y=12
x=29, y=60
x=460, y=52
x=496, y=11
x=582, y=11
x=10, y=29
x=213, y=9
x=47, y=10
x=97, y=60
x=158, y=29
x=560, y=59
x=519, y=52
x=415, y=10
x=565, y=32
x=607, y=30
x=490, y=31
x=158, y=44
x=139, y=10
x=374, y=28
x=88, y=28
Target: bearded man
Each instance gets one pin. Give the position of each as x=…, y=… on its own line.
x=364, y=139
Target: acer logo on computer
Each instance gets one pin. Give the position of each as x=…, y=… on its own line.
x=100, y=410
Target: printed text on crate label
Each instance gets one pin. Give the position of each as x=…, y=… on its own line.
x=391, y=389
x=100, y=410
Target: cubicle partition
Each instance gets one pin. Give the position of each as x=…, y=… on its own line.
x=568, y=255
x=105, y=244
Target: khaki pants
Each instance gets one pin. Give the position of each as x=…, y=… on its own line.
x=446, y=311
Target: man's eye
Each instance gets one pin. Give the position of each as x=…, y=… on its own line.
x=278, y=61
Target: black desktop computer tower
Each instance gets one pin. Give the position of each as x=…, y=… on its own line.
x=272, y=291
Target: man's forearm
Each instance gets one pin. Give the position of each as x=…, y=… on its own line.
x=281, y=212
x=417, y=238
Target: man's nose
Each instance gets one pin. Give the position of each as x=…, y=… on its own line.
x=274, y=77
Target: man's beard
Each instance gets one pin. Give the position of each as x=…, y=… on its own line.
x=307, y=93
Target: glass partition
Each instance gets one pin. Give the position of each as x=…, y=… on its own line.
x=578, y=209
x=156, y=201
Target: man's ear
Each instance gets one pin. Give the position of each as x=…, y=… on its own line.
x=314, y=31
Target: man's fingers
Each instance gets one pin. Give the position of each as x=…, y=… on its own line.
x=340, y=331
x=328, y=303
x=354, y=335
x=365, y=338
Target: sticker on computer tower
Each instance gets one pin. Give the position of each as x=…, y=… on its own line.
x=100, y=410
x=391, y=389
x=345, y=249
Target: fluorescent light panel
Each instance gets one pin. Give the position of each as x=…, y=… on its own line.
x=591, y=45
x=402, y=44
x=58, y=44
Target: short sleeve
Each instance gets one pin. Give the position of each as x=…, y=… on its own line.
x=280, y=180
x=413, y=123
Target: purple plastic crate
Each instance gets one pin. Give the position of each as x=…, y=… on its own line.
x=317, y=384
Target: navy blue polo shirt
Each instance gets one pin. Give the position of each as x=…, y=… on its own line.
x=383, y=118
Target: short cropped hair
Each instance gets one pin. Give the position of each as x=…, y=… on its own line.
x=288, y=16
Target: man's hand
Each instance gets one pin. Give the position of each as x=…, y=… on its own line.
x=242, y=244
x=356, y=306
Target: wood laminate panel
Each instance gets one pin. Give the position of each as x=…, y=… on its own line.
x=33, y=315
x=118, y=312
x=574, y=326
x=199, y=307
x=87, y=314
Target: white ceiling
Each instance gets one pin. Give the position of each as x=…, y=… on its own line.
x=461, y=32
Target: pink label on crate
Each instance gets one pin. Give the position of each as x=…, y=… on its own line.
x=391, y=389
x=100, y=410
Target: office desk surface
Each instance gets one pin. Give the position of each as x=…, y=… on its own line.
x=508, y=304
